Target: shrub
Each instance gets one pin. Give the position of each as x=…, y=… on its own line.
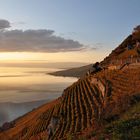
x=125, y=130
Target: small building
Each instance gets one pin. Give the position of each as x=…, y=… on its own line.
x=129, y=47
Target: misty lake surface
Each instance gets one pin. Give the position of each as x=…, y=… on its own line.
x=20, y=84
x=23, y=89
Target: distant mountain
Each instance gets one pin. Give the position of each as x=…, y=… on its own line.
x=74, y=72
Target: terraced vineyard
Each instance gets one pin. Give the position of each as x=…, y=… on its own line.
x=91, y=99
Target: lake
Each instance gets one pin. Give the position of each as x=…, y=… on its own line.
x=23, y=89
x=19, y=84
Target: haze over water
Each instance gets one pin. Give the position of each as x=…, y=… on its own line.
x=20, y=84
x=25, y=86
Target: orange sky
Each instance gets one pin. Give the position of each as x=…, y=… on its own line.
x=77, y=56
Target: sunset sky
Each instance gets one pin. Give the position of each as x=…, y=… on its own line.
x=64, y=30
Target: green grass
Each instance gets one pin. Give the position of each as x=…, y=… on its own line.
x=125, y=130
x=127, y=127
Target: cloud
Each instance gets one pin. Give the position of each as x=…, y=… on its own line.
x=4, y=24
x=18, y=23
x=35, y=41
x=94, y=46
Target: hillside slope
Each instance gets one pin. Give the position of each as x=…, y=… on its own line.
x=128, y=50
x=74, y=72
